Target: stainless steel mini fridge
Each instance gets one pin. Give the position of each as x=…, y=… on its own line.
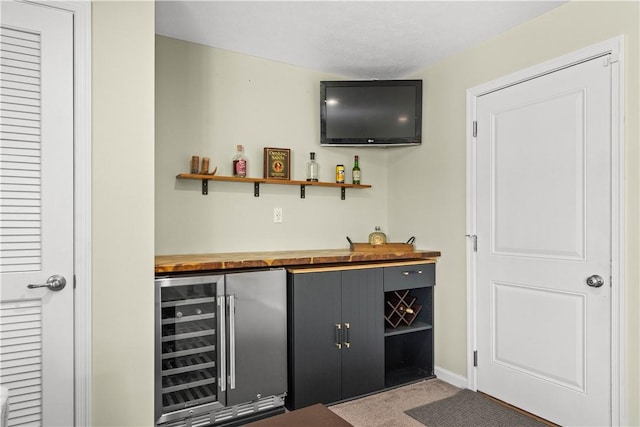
x=220, y=347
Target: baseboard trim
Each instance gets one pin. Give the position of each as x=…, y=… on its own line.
x=450, y=377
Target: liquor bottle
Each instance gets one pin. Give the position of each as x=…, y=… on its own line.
x=312, y=168
x=377, y=237
x=355, y=172
x=240, y=162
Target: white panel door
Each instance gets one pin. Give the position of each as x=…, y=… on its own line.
x=544, y=227
x=36, y=213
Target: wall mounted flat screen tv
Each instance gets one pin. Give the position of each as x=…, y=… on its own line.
x=371, y=113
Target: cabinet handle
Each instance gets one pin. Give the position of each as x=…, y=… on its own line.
x=406, y=273
x=338, y=333
x=347, y=342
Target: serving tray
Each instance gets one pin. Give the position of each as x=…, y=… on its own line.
x=387, y=247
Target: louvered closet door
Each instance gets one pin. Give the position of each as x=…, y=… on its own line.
x=36, y=212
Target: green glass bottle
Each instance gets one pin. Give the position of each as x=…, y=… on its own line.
x=355, y=172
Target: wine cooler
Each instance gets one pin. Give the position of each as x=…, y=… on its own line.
x=220, y=348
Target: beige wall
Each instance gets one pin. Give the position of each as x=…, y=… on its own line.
x=438, y=169
x=122, y=213
x=208, y=101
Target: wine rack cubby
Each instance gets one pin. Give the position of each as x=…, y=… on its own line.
x=408, y=323
x=401, y=308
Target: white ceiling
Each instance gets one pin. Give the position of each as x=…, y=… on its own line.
x=354, y=39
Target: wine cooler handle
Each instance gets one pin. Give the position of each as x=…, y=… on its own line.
x=338, y=333
x=347, y=342
x=232, y=341
x=223, y=343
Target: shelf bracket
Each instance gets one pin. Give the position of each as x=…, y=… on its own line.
x=302, y=191
x=343, y=193
x=256, y=189
x=205, y=187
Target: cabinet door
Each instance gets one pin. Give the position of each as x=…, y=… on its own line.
x=315, y=357
x=363, y=332
x=257, y=335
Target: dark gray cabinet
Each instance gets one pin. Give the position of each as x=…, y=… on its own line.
x=336, y=334
x=344, y=340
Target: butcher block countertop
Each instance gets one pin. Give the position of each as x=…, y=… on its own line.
x=228, y=261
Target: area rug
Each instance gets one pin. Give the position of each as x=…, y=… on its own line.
x=386, y=409
x=468, y=408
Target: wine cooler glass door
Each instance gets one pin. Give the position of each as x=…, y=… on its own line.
x=188, y=357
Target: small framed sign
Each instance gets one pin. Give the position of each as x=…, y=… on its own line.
x=277, y=163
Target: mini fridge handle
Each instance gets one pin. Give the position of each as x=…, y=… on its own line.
x=223, y=338
x=232, y=341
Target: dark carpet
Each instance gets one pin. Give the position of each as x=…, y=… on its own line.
x=468, y=408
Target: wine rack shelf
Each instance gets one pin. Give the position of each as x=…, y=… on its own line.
x=257, y=181
x=401, y=308
x=415, y=327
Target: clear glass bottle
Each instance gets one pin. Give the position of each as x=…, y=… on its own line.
x=377, y=237
x=312, y=168
x=240, y=162
x=355, y=172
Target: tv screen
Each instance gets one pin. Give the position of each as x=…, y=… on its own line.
x=376, y=112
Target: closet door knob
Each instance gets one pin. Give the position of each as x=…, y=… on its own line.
x=54, y=283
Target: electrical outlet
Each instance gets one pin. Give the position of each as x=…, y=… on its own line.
x=277, y=214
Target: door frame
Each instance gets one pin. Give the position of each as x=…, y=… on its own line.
x=82, y=207
x=81, y=11
x=614, y=47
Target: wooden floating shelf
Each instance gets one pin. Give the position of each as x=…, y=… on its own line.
x=257, y=181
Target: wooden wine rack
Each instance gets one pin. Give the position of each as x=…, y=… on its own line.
x=400, y=308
